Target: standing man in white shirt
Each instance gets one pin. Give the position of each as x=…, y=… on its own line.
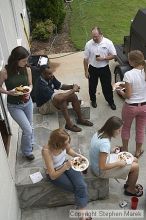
x=98, y=51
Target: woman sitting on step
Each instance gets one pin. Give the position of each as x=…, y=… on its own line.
x=104, y=166
x=58, y=168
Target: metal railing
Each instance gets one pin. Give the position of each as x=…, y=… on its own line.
x=4, y=116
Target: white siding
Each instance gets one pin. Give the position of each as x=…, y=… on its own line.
x=12, y=25
x=4, y=53
x=11, y=35
x=9, y=207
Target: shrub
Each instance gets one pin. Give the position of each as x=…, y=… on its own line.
x=43, y=30
x=40, y=10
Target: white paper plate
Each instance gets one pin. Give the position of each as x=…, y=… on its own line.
x=23, y=93
x=126, y=156
x=117, y=84
x=82, y=166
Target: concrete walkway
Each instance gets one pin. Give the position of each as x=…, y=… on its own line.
x=69, y=69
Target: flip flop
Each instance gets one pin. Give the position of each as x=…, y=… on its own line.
x=139, y=155
x=137, y=194
x=138, y=186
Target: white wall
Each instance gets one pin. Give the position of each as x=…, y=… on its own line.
x=11, y=35
x=9, y=206
x=12, y=27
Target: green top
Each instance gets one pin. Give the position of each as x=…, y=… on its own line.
x=15, y=80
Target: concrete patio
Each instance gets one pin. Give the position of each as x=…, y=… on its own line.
x=69, y=69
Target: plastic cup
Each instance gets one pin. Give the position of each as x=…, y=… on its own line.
x=25, y=97
x=134, y=202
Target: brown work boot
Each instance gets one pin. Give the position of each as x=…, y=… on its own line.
x=73, y=128
x=84, y=122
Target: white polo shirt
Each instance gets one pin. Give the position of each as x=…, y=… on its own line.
x=104, y=48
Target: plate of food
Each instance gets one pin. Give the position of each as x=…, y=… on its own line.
x=118, y=86
x=126, y=156
x=80, y=163
x=22, y=90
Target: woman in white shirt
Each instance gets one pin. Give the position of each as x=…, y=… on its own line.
x=135, y=101
x=59, y=171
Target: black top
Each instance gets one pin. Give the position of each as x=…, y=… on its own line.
x=45, y=89
x=14, y=80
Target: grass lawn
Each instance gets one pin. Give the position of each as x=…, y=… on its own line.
x=112, y=16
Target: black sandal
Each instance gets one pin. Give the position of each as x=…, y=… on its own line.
x=137, y=194
x=138, y=186
x=140, y=154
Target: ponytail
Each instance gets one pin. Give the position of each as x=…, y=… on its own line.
x=144, y=66
x=136, y=58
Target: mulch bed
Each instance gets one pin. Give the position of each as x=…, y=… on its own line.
x=59, y=43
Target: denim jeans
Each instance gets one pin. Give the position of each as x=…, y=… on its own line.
x=73, y=181
x=23, y=115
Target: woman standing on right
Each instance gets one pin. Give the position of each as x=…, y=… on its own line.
x=135, y=101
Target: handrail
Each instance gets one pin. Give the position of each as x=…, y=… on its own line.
x=5, y=115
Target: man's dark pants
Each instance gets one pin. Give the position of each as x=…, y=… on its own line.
x=104, y=74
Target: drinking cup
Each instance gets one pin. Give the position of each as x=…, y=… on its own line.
x=134, y=202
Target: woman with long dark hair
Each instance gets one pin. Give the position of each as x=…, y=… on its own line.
x=15, y=74
x=104, y=167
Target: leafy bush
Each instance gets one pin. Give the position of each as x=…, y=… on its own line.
x=43, y=30
x=40, y=10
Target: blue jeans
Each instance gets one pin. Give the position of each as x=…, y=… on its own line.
x=23, y=115
x=73, y=181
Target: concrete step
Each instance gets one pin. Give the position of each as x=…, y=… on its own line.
x=85, y=109
x=43, y=125
x=44, y=194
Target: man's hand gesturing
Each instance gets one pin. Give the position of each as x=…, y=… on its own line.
x=76, y=88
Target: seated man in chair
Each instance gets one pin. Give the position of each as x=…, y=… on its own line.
x=49, y=100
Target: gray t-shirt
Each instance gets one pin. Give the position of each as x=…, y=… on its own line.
x=98, y=145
